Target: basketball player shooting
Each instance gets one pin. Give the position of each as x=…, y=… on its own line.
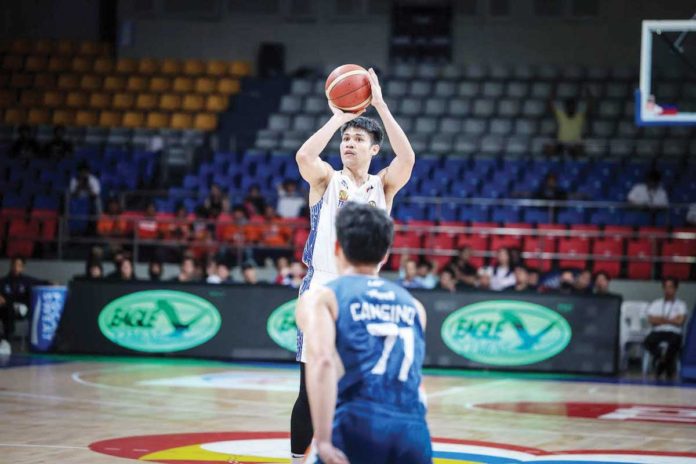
x=329, y=190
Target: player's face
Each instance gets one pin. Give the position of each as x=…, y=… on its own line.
x=356, y=147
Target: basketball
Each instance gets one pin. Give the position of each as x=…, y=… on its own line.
x=348, y=88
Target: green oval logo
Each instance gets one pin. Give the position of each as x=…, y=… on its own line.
x=281, y=326
x=158, y=321
x=506, y=332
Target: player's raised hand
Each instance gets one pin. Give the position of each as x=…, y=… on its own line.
x=344, y=116
x=377, y=99
x=330, y=454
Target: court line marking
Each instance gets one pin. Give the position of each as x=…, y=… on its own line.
x=25, y=445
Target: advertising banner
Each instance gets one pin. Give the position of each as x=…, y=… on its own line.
x=47, y=304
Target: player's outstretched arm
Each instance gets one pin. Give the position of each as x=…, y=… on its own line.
x=316, y=317
x=397, y=174
x=315, y=171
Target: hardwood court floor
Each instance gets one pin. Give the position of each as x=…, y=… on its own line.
x=53, y=412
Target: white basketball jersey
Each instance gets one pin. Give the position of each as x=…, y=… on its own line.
x=319, y=252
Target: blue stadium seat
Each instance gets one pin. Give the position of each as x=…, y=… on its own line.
x=474, y=213
x=410, y=211
x=571, y=216
x=505, y=214
x=46, y=202
x=78, y=206
x=13, y=200
x=635, y=218
x=536, y=215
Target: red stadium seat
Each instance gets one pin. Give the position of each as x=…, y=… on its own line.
x=640, y=248
x=610, y=248
x=403, y=240
x=573, y=246
x=22, y=234
x=676, y=249
x=590, y=228
x=539, y=245
x=442, y=241
x=483, y=225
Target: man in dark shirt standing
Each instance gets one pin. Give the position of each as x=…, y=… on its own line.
x=15, y=295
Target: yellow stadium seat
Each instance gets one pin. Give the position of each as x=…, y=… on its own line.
x=88, y=48
x=68, y=81
x=77, y=99
x=100, y=100
x=216, y=68
x=170, y=67
x=42, y=47
x=103, y=65
x=110, y=118
x=170, y=102
x=157, y=120
x=82, y=64
x=31, y=98
x=194, y=67
x=14, y=116
x=64, y=47
x=20, y=46
x=91, y=82
x=192, y=103
x=205, y=85
x=58, y=64
x=216, y=103
x=136, y=83
x=228, y=86
x=133, y=119
x=114, y=83
x=21, y=81
x=240, y=68
x=146, y=101
x=39, y=116
x=86, y=118
x=64, y=117
x=35, y=63
x=123, y=101
x=54, y=99
x=12, y=63
x=160, y=84
x=43, y=81
x=148, y=66
x=126, y=66
x=183, y=84
x=8, y=98
x=181, y=121
x=205, y=121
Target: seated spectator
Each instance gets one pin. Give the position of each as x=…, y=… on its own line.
x=425, y=276
x=86, y=185
x=410, y=272
x=202, y=227
x=282, y=270
x=237, y=231
x=570, y=122
x=583, y=282
x=147, y=227
x=601, y=283
x=522, y=279
x=187, y=270
x=249, y=273
x=533, y=277
x=126, y=270
x=448, y=281
x=502, y=275
x=484, y=278
x=15, y=297
x=465, y=272
x=179, y=228
x=290, y=201
x=224, y=272
x=118, y=256
x=254, y=202
x=93, y=270
x=216, y=202
x=566, y=284
x=295, y=276
x=550, y=190
x=58, y=148
x=154, y=270
x=666, y=316
x=649, y=193
x=111, y=224
x=26, y=145
x=275, y=232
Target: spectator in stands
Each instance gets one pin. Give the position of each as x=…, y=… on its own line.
x=484, y=278
x=424, y=274
x=533, y=277
x=180, y=227
x=566, y=283
x=110, y=223
x=295, y=276
x=667, y=316
x=522, y=279
x=275, y=232
x=187, y=270
x=126, y=270
x=583, y=282
x=254, y=202
x=502, y=274
x=249, y=273
x=282, y=270
x=409, y=273
x=237, y=230
x=650, y=193
x=224, y=272
x=448, y=281
x=118, y=256
x=570, y=122
x=58, y=148
x=601, y=283
x=216, y=202
x=154, y=270
x=464, y=271
x=93, y=270
x=15, y=294
x=290, y=201
x=26, y=145
x=85, y=184
x=550, y=190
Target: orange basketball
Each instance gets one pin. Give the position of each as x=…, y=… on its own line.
x=348, y=88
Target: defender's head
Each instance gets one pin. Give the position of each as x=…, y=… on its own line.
x=360, y=141
x=364, y=234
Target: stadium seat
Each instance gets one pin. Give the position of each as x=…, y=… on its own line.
x=573, y=246
x=611, y=249
x=641, y=249
x=676, y=249
x=537, y=245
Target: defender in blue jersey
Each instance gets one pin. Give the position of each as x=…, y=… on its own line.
x=365, y=353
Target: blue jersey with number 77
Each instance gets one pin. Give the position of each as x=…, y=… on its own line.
x=380, y=340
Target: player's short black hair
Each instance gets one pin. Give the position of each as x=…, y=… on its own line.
x=369, y=125
x=364, y=232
